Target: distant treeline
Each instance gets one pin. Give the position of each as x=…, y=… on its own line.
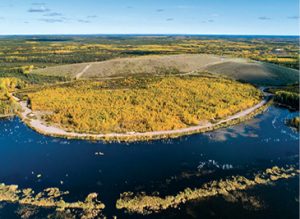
x=32, y=78
x=44, y=51
x=287, y=96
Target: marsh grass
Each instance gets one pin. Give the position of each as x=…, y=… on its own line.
x=147, y=204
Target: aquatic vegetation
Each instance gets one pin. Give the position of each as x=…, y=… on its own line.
x=294, y=122
x=50, y=198
x=146, y=204
x=63, y=215
x=142, y=104
x=248, y=202
x=26, y=212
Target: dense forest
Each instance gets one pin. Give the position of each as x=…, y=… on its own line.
x=142, y=104
x=7, y=104
x=287, y=96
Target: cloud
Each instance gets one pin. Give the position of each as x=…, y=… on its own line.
x=40, y=9
x=52, y=20
x=170, y=19
x=38, y=4
x=264, y=18
x=92, y=16
x=160, y=10
x=208, y=21
x=53, y=14
x=293, y=17
x=215, y=15
x=84, y=21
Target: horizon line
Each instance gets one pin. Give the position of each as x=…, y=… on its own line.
x=146, y=34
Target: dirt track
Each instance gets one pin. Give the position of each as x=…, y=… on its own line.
x=83, y=71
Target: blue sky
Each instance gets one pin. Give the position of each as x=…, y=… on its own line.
x=264, y=17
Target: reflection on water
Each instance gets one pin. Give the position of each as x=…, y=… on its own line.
x=166, y=166
x=248, y=202
x=248, y=130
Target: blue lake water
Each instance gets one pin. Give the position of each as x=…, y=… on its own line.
x=166, y=166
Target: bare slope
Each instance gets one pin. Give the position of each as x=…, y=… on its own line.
x=125, y=66
x=240, y=69
x=62, y=70
x=152, y=65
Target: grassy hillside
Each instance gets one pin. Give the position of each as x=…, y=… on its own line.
x=129, y=66
x=240, y=69
x=142, y=104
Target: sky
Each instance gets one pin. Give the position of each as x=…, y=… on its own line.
x=237, y=17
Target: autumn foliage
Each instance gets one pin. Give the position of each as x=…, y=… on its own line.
x=7, y=104
x=142, y=104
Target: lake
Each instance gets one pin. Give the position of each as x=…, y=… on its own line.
x=164, y=166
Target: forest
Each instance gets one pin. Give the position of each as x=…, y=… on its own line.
x=139, y=104
x=287, y=96
x=7, y=104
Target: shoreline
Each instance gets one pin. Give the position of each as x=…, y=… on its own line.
x=49, y=130
x=4, y=116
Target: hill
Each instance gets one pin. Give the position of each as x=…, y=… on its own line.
x=240, y=69
x=136, y=65
x=256, y=72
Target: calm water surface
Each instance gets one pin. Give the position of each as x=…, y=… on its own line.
x=166, y=166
